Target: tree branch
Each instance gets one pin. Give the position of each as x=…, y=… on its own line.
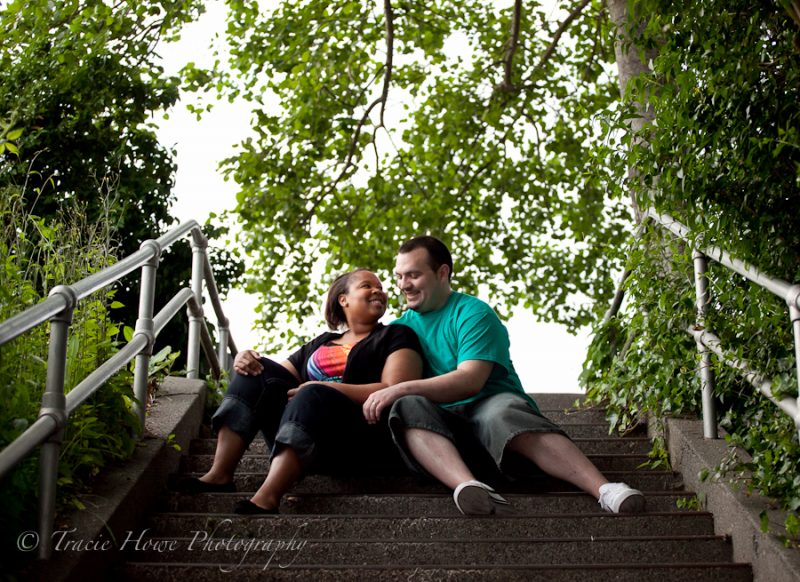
x=387, y=78
x=404, y=164
x=561, y=30
x=511, y=48
x=592, y=57
x=557, y=36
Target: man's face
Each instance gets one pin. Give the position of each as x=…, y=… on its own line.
x=425, y=289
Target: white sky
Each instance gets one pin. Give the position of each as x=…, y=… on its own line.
x=546, y=357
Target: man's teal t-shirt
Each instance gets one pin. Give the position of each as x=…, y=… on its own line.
x=466, y=328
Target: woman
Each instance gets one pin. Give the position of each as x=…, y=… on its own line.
x=309, y=407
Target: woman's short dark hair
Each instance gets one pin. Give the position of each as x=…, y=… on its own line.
x=334, y=314
x=438, y=254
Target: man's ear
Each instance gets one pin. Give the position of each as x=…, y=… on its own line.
x=443, y=271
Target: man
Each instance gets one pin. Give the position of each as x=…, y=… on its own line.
x=471, y=388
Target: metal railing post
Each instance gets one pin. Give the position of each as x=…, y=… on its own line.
x=199, y=245
x=793, y=301
x=54, y=404
x=222, y=346
x=144, y=326
x=707, y=379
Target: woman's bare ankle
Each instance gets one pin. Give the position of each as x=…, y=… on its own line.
x=265, y=501
x=215, y=479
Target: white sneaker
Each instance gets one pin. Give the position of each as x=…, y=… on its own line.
x=476, y=498
x=619, y=498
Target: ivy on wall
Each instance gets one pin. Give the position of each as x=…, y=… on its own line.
x=722, y=156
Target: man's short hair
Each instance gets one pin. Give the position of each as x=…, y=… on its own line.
x=438, y=254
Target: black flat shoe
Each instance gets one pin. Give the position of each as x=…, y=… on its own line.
x=247, y=507
x=193, y=486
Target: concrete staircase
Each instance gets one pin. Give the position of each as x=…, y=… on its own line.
x=403, y=528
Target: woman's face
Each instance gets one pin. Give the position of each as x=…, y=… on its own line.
x=365, y=298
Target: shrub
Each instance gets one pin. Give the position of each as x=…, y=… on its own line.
x=38, y=254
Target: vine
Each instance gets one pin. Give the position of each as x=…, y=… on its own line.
x=723, y=157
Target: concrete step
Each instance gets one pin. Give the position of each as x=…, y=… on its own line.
x=679, y=572
x=410, y=504
x=466, y=552
x=605, y=445
x=642, y=480
x=590, y=446
x=614, y=445
x=582, y=416
x=254, y=463
x=557, y=400
x=403, y=527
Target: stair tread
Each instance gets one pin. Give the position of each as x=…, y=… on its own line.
x=409, y=528
x=481, y=552
x=674, y=572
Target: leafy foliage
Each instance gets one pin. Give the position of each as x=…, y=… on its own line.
x=38, y=254
x=722, y=156
x=423, y=117
x=79, y=82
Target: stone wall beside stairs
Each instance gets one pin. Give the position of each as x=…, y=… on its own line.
x=122, y=495
x=736, y=513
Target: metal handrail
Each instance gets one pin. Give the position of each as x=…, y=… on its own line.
x=115, y=363
x=58, y=308
x=706, y=341
x=43, y=311
x=783, y=289
x=754, y=377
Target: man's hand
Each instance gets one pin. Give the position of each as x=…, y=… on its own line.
x=248, y=363
x=380, y=400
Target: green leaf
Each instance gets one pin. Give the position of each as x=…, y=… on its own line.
x=764, y=520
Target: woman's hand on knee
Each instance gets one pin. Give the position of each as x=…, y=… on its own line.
x=248, y=363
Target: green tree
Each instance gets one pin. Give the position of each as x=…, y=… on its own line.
x=79, y=84
x=80, y=80
x=462, y=119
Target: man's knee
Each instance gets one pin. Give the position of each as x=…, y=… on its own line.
x=412, y=402
x=414, y=410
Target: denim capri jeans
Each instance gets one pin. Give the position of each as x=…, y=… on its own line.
x=481, y=430
x=325, y=428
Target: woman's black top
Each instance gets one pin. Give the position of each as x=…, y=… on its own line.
x=367, y=358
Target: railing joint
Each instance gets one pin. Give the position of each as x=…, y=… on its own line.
x=70, y=296
x=793, y=301
x=60, y=418
x=199, y=240
x=145, y=327
x=156, y=249
x=194, y=310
